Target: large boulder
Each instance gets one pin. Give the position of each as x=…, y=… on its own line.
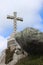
x=31, y=40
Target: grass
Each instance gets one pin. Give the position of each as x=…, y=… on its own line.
x=31, y=60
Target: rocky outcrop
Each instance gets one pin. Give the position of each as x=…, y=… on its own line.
x=12, y=57
x=28, y=41
x=31, y=40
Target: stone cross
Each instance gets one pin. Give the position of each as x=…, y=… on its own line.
x=15, y=18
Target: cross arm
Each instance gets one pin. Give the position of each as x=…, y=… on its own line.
x=10, y=17
x=19, y=19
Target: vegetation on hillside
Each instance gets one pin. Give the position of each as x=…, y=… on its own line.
x=31, y=60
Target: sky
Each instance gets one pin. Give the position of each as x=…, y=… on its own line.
x=30, y=10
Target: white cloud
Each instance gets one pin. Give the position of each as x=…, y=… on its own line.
x=3, y=43
x=28, y=9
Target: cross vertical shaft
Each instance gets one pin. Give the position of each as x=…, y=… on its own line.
x=15, y=22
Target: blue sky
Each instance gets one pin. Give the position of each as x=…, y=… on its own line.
x=30, y=10
x=41, y=13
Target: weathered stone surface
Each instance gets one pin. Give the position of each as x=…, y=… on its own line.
x=2, y=57
x=12, y=43
x=2, y=64
x=16, y=57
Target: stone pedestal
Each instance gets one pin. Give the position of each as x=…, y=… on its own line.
x=11, y=43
